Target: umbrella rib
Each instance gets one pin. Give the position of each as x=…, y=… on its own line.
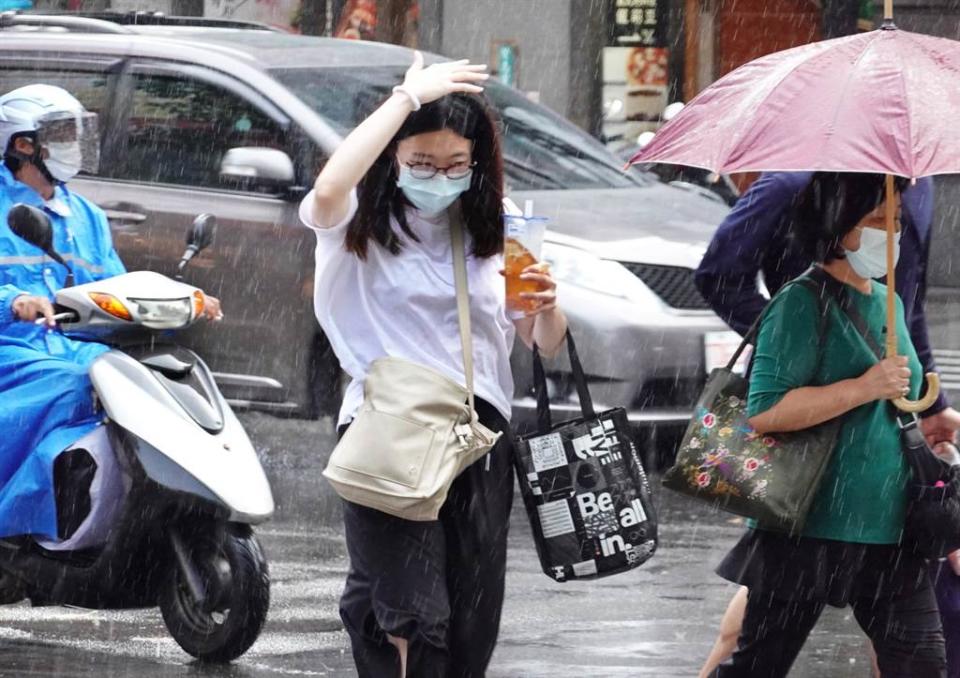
x=901, y=78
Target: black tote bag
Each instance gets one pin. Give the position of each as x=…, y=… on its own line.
x=584, y=489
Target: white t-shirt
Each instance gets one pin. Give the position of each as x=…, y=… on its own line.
x=405, y=306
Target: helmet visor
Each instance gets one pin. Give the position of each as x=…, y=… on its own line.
x=79, y=130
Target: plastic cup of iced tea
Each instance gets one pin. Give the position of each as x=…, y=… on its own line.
x=524, y=240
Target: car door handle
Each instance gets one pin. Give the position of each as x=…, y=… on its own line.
x=129, y=217
x=126, y=212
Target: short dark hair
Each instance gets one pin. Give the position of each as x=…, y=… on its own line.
x=831, y=206
x=471, y=117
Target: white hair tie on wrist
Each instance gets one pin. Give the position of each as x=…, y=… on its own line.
x=410, y=95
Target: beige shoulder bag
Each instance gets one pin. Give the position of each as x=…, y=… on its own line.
x=416, y=430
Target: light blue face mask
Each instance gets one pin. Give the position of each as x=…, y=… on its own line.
x=432, y=196
x=870, y=261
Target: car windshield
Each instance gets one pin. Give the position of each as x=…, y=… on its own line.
x=542, y=151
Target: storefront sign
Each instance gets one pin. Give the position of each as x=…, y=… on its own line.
x=638, y=23
x=506, y=57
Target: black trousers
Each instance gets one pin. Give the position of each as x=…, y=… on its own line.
x=437, y=584
x=904, y=626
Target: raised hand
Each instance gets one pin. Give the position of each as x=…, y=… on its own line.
x=438, y=80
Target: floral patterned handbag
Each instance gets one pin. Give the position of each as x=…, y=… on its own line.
x=723, y=461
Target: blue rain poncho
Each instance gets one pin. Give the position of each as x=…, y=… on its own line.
x=46, y=398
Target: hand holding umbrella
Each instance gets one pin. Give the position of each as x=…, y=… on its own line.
x=856, y=104
x=933, y=379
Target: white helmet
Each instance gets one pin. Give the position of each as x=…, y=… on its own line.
x=58, y=122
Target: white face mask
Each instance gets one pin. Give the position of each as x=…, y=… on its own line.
x=870, y=261
x=432, y=196
x=64, y=160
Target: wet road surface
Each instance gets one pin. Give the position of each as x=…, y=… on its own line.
x=658, y=620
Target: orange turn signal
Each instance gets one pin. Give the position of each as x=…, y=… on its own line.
x=110, y=304
x=198, y=304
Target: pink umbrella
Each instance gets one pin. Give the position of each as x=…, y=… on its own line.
x=882, y=102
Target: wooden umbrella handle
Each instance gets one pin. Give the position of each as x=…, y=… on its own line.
x=926, y=402
x=933, y=380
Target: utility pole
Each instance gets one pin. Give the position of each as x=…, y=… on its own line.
x=313, y=17
x=392, y=20
x=839, y=18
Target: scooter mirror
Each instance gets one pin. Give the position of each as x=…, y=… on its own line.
x=202, y=232
x=32, y=225
x=199, y=237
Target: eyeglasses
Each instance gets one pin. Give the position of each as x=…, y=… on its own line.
x=426, y=171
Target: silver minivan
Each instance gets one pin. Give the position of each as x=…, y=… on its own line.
x=237, y=122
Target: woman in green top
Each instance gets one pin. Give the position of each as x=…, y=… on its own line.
x=806, y=372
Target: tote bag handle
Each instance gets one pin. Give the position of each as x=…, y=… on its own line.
x=544, y=423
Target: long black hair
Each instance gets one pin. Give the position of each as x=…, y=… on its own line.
x=832, y=206
x=469, y=116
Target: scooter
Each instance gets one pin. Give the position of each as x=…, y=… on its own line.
x=181, y=535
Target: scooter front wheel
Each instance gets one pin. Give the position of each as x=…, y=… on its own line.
x=229, y=571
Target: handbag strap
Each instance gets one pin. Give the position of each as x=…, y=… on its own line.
x=544, y=423
x=858, y=321
x=463, y=300
x=819, y=283
x=907, y=420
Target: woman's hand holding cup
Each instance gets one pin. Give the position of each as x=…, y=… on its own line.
x=546, y=298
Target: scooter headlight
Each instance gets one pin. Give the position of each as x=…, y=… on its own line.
x=164, y=314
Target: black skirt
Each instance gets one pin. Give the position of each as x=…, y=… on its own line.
x=808, y=569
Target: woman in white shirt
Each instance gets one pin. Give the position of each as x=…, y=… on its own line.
x=424, y=598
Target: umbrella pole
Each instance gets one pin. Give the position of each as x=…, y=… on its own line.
x=891, y=268
x=933, y=380
x=888, y=9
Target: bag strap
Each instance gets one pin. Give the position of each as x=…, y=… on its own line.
x=817, y=284
x=859, y=323
x=907, y=420
x=544, y=423
x=463, y=300
x=748, y=338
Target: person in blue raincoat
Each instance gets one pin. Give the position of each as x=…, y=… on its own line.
x=46, y=398
x=754, y=241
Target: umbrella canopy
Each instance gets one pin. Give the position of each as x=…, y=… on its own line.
x=882, y=102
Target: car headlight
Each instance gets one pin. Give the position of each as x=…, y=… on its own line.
x=577, y=267
x=164, y=314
